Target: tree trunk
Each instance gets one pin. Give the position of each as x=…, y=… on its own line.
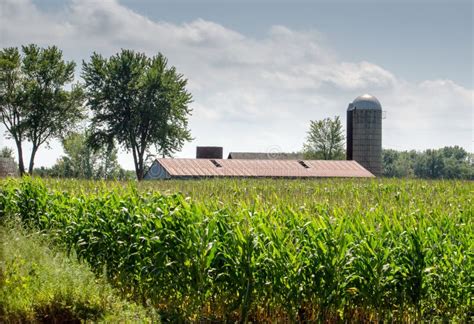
x=140, y=167
x=135, y=162
x=32, y=159
x=21, y=164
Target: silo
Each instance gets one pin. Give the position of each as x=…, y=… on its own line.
x=364, y=133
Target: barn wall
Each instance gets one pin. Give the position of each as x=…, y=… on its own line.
x=156, y=171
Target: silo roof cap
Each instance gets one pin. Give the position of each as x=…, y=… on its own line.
x=366, y=102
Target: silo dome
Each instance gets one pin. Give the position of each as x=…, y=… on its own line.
x=365, y=102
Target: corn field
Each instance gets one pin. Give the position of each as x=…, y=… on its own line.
x=267, y=250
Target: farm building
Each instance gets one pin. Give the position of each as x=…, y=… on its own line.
x=7, y=167
x=364, y=155
x=203, y=168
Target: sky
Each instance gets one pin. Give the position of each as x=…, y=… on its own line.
x=259, y=71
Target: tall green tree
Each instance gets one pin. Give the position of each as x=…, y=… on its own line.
x=12, y=112
x=36, y=104
x=325, y=140
x=52, y=110
x=139, y=102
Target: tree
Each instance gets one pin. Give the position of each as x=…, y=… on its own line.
x=81, y=161
x=398, y=164
x=51, y=110
x=389, y=158
x=11, y=111
x=7, y=152
x=457, y=163
x=35, y=104
x=325, y=140
x=429, y=165
x=138, y=102
x=108, y=167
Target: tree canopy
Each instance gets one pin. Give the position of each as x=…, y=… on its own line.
x=80, y=161
x=6, y=152
x=139, y=102
x=325, y=140
x=451, y=162
x=35, y=103
x=12, y=112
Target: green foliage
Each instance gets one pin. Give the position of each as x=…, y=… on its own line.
x=35, y=104
x=12, y=112
x=398, y=164
x=83, y=162
x=139, y=102
x=39, y=282
x=263, y=250
x=7, y=152
x=451, y=162
x=325, y=140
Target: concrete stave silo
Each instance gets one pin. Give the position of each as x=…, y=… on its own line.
x=364, y=133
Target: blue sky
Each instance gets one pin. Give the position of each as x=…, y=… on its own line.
x=260, y=70
x=418, y=40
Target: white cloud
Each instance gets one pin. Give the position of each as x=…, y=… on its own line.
x=249, y=93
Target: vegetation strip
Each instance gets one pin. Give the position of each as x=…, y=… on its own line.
x=260, y=250
x=39, y=283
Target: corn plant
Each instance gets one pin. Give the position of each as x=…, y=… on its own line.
x=267, y=250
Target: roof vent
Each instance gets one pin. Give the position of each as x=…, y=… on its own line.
x=303, y=164
x=217, y=164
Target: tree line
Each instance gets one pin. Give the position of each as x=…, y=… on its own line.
x=451, y=162
x=128, y=100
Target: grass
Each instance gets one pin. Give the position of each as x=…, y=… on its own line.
x=265, y=250
x=39, y=283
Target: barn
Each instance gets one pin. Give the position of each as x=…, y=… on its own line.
x=167, y=168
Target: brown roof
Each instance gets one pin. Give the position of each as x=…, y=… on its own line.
x=262, y=168
x=265, y=156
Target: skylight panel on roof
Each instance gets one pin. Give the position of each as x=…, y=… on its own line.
x=217, y=164
x=303, y=164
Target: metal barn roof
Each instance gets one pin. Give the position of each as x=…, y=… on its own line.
x=265, y=156
x=260, y=168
